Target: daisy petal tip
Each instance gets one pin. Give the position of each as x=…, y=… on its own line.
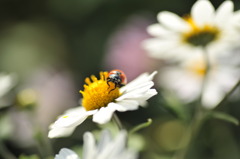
x=151, y=29
x=98, y=118
x=201, y=17
x=154, y=73
x=201, y=3
x=51, y=135
x=153, y=92
x=101, y=122
x=161, y=15
x=151, y=76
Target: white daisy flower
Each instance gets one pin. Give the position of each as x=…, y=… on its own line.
x=105, y=149
x=101, y=99
x=186, y=81
x=177, y=38
x=7, y=81
x=66, y=154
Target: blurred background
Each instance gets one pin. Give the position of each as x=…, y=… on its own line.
x=51, y=46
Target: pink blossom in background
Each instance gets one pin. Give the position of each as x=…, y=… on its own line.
x=124, y=50
x=55, y=92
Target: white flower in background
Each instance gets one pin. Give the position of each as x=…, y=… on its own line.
x=66, y=154
x=7, y=81
x=105, y=149
x=186, y=80
x=101, y=100
x=205, y=29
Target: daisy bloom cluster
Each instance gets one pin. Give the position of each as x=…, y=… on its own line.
x=107, y=148
x=204, y=29
x=101, y=99
x=186, y=80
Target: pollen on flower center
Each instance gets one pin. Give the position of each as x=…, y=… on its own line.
x=200, y=36
x=98, y=93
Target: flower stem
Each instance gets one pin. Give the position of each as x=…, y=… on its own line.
x=117, y=121
x=205, y=77
x=42, y=143
x=141, y=126
x=198, y=117
x=195, y=125
x=190, y=134
x=219, y=105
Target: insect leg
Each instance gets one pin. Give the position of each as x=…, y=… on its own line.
x=113, y=88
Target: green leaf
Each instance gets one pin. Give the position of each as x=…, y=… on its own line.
x=224, y=117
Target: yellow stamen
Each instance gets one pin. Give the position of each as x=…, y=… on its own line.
x=98, y=93
x=198, y=67
x=200, y=35
x=191, y=22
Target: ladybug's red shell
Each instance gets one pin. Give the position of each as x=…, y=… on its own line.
x=118, y=77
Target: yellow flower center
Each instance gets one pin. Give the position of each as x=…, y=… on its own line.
x=198, y=67
x=200, y=36
x=98, y=93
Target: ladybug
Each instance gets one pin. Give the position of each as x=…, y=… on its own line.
x=117, y=77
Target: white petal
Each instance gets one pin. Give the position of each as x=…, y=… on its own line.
x=164, y=48
x=66, y=124
x=172, y=21
x=126, y=105
x=104, y=114
x=119, y=144
x=224, y=13
x=150, y=77
x=187, y=85
x=72, y=118
x=236, y=19
x=157, y=47
x=89, y=148
x=76, y=110
x=115, y=148
x=7, y=81
x=104, y=140
x=228, y=76
x=143, y=85
x=66, y=154
x=60, y=132
x=145, y=77
x=142, y=101
x=212, y=95
x=158, y=30
x=148, y=94
x=202, y=12
x=136, y=92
